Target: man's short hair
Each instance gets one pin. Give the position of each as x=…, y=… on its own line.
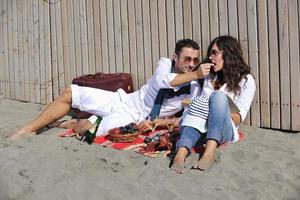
x=185, y=43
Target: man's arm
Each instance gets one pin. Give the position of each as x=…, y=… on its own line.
x=202, y=71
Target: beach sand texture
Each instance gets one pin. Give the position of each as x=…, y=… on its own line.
x=265, y=165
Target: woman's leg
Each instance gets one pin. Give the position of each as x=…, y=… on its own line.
x=219, y=128
x=188, y=138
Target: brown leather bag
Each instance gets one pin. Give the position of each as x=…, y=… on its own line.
x=110, y=82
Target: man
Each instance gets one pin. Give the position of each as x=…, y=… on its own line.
x=118, y=108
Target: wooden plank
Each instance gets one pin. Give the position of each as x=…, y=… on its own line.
x=11, y=53
x=125, y=36
x=178, y=19
x=132, y=43
x=83, y=37
x=154, y=33
x=253, y=59
x=264, y=63
x=196, y=18
x=284, y=64
x=97, y=34
x=171, y=26
x=36, y=57
x=2, y=68
x=139, y=43
x=233, y=21
x=59, y=48
x=294, y=64
x=30, y=50
x=147, y=40
x=205, y=25
x=223, y=17
x=118, y=36
x=90, y=37
x=26, y=49
x=104, y=38
x=71, y=38
x=54, y=64
x=162, y=26
x=243, y=38
x=16, y=59
x=47, y=50
x=20, y=53
x=78, y=50
x=111, y=38
x=4, y=39
x=187, y=19
x=41, y=48
x=274, y=64
x=65, y=40
x=214, y=19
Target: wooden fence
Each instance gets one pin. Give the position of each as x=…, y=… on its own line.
x=44, y=44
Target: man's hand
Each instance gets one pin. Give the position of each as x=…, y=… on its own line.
x=204, y=69
x=146, y=125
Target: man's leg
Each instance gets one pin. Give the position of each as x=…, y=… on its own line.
x=55, y=110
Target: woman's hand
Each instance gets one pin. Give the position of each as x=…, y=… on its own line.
x=236, y=117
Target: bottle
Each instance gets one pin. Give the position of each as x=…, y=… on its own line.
x=90, y=134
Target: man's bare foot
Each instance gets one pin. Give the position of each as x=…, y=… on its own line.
x=78, y=126
x=20, y=133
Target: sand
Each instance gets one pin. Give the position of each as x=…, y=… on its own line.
x=265, y=165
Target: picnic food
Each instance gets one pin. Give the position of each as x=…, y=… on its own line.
x=126, y=133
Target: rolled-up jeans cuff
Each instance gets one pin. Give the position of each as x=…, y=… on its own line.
x=185, y=143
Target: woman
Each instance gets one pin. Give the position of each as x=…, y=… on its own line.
x=229, y=77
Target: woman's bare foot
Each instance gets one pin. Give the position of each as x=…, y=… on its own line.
x=20, y=133
x=78, y=126
x=179, y=161
x=205, y=162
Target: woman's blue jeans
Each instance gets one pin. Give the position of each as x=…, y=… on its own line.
x=219, y=126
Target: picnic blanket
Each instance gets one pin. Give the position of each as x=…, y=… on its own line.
x=138, y=144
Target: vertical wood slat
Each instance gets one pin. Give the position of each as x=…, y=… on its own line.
x=65, y=43
x=214, y=19
x=118, y=36
x=187, y=19
x=30, y=50
x=154, y=33
x=83, y=37
x=253, y=58
x=104, y=38
x=170, y=26
x=178, y=19
x=139, y=43
x=162, y=27
x=223, y=17
x=41, y=48
x=77, y=37
x=205, y=25
x=125, y=36
x=54, y=56
x=47, y=50
x=147, y=40
x=10, y=50
x=232, y=14
x=132, y=42
x=284, y=63
x=294, y=63
x=264, y=63
x=20, y=44
x=71, y=39
x=243, y=37
x=97, y=35
x=6, y=49
x=36, y=58
x=111, y=39
x=274, y=64
x=15, y=49
x=2, y=69
x=196, y=19
x=26, y=49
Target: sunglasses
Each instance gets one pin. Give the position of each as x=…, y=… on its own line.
x=187, y=60
x=214, y=52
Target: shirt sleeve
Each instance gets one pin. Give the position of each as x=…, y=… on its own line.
x=163, y=75
x=244, y=100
